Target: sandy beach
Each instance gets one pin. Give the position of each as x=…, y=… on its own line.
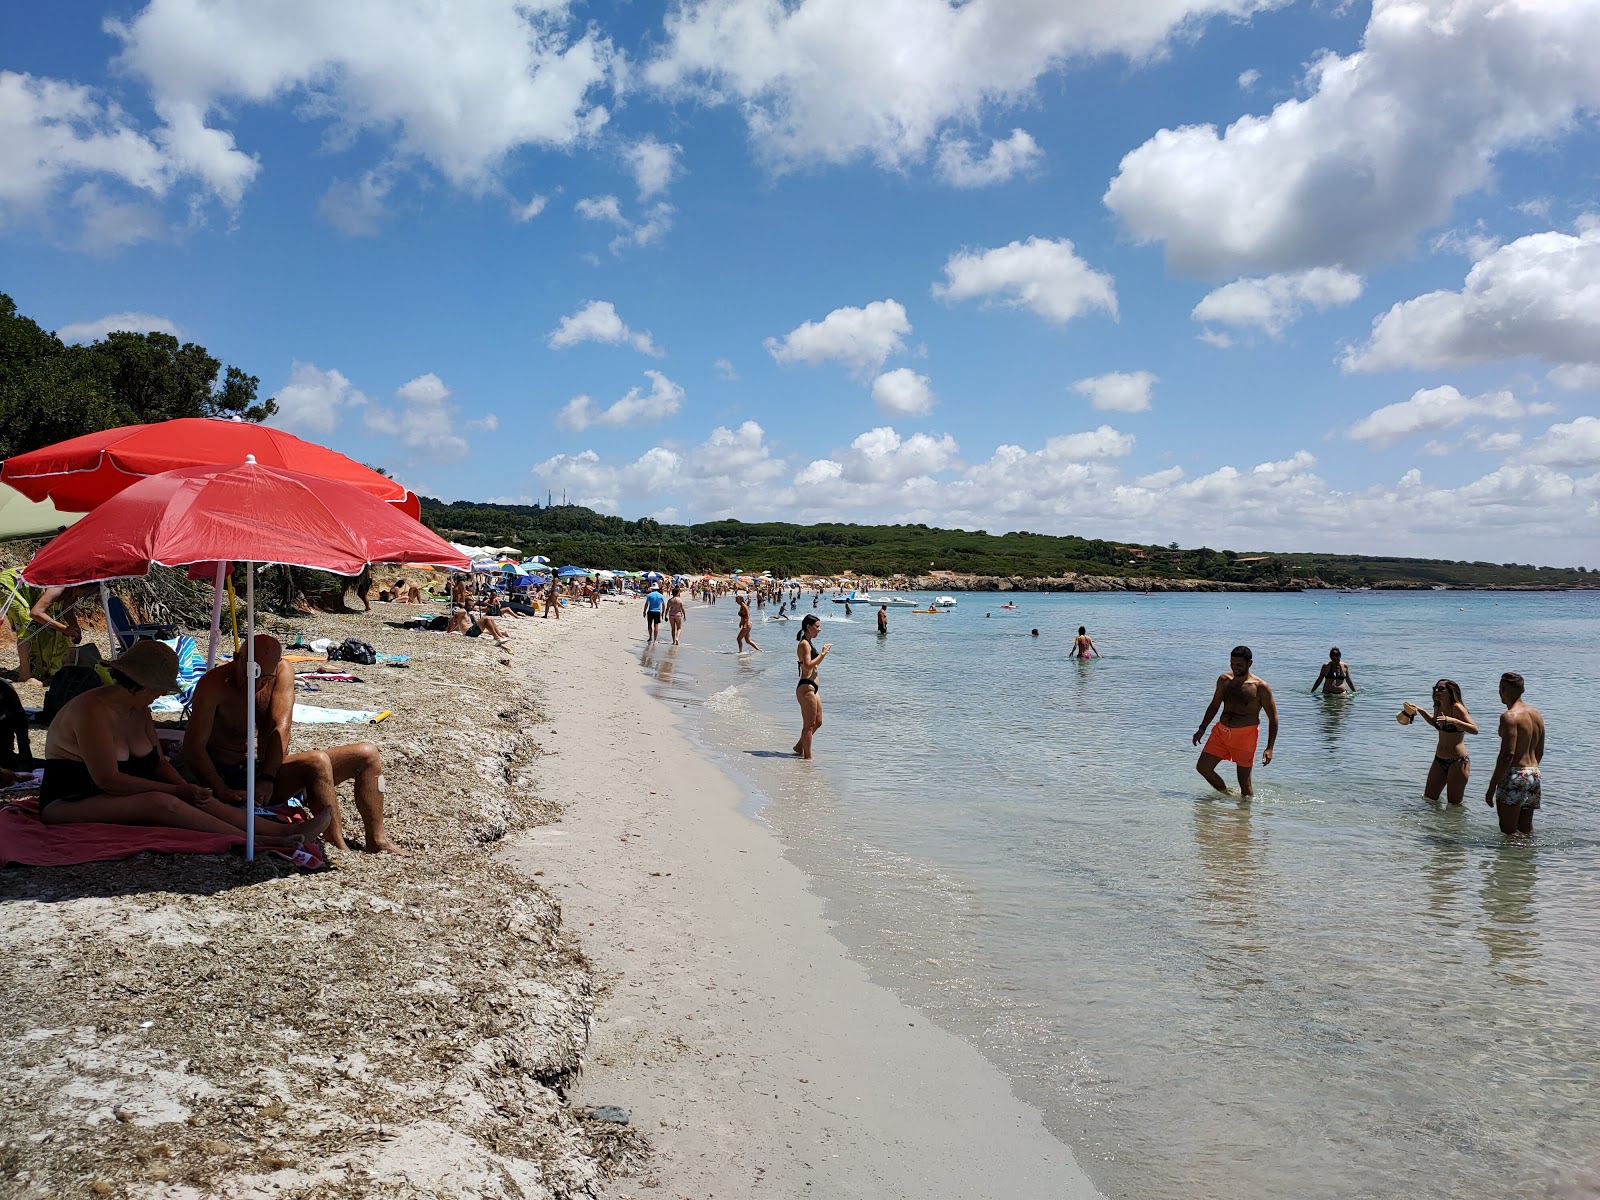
x=755, y=1054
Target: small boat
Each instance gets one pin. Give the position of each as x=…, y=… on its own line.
x=925, y=611
x=860, y=596
x=943, y=602
x=1010, y=608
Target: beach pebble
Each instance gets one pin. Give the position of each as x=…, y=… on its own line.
x=609, y=1112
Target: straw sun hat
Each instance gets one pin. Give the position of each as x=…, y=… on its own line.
x=150, y=664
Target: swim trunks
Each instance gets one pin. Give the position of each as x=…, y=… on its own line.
x=1520, y=789
x=1234, y=743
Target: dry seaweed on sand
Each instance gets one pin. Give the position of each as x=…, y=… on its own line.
x=187, y=1026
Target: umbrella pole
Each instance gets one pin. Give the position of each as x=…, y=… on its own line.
x=216, y=617
x=105, y=607
x=250, y=715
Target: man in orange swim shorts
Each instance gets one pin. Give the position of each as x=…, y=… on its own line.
x=1242, y=696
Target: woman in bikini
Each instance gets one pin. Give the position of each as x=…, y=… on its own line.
x=1334, y=679
x=808, y=690
x=1450, y=762
x=1083, y=645
x=102, y=763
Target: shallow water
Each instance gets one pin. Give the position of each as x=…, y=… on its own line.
x=1336, y=990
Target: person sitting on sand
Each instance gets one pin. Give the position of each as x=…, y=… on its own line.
x=1243, y=696
x=102, y=762
x=1335, y=679
x=215, y=752
x=469, y=622
x=16, y=747
x=1451, y=765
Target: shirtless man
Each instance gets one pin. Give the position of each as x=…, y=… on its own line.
x=1243, y=696
x=1514, y=787
x=744, y=626
x=883, y=618
x=215, y=753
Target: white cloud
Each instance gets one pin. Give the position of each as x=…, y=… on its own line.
x=1576, y=377
x=1494, y=443
x=1386, y=140
x=355, y=207
x=132, y=322
x=608, y=209
x=601, y=208
x=638, y=407
x=459, y=85
x=1274, y=302
x=1118, y=391
x=903, y=392
x=883, y=456
x=1573, y=445
x=653, y=164
x=524, y=213
x=427, y=419
x=314, y=400
x=1016, y=154
x=597, y=321
x=861, y=338
x=725, y=370
x=834, y=80
x=488, y=423
x=1043, y=275
x=1539, y=296
x=1432, y=409
x=1249, y=79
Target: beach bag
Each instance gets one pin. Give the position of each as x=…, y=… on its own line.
x=353, y=650
x=68, y=682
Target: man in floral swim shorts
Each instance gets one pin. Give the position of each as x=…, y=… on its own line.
x=1242, y=696
x=1514, y=787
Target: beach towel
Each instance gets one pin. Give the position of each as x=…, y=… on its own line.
x=310, y=714
x=26, y=841
x=329, y=677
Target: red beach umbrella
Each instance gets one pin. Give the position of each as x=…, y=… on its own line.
x=81, y=473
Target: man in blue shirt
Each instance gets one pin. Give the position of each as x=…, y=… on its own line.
x=654, y=602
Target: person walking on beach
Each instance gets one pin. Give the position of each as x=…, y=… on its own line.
x=744, y=637
x=1335, y=679
x=676, y=612
x=883, y=619
x=1242, y=696
x=808, y=691
x=552, y=600
x=1514, y=787
x=654, y=602
x=1083, y=645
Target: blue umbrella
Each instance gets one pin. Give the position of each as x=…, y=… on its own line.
x=512, y=569
x=570, y=572
x=652, y=576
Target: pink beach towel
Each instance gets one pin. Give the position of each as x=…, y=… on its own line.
x=26, y=841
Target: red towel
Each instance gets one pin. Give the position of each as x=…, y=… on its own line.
x=26, y=841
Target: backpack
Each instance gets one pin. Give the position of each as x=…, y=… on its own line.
x=68, y=682
x=353, y=650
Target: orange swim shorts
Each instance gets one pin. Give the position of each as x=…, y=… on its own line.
x=1234, y=743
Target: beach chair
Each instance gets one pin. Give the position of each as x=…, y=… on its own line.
x=127, y=631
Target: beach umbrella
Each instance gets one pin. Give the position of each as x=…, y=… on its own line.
x=651, y=576
x=82, y=472
x=571, y=572
x=537, y=560
x=21, y=517
x=513, y=569
x=247, y=513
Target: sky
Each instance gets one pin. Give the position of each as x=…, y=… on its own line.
x=1251, y=274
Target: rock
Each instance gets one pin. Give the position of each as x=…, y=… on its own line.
x=609, y=1113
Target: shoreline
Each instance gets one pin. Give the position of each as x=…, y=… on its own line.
x=748, y=1045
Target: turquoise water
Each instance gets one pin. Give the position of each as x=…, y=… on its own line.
x=1337, y=990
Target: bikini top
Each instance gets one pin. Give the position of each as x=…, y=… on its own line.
x=1336, y=673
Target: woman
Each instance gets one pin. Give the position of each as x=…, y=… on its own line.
x=47, y=630
x=102, y=763
x=1450, y=762
x=1335, y=679
x=468, y=622
x=676, y=612
x=808, y=690
x=1083, y=645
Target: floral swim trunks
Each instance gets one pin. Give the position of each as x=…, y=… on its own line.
x=1520, y=789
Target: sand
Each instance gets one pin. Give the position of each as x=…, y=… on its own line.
x=755, y=1053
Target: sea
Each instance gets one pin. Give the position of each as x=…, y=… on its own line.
x=1338, y=989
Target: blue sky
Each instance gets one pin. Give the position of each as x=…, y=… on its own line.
x=1237, y=272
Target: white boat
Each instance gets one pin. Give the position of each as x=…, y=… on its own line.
x=859, y=597
x=944, y=602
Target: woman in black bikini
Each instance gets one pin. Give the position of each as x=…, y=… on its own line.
x=1335, y=679
x=1451, y=765
x=102, y=762
x=808, y=690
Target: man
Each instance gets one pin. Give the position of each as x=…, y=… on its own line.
x=1242, y=696
x=215, y=753
x=883, y=618
x=654, y=602
x=1514, y=787
x=469, y=622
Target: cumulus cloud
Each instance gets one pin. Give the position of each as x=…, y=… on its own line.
x=1576, y=377
x=1274, y=302
x=523, y=213
x=314, y=400
x=653, y=163
x=1249, y=79
x=427, y=418
x=1385, y=141
x=1118, y=391
x=608, y=209
x=903, y=392
x=835, y=80
x=1432, y=409
x=883, y=456
x=131, y=322
x=597, y=321
x=1573, y=445
x=725, y=370
x=1044, y=276
x=638, y=407
x=1539, y=296
x=355, y=206
x=861, y=338
x=1014, y=155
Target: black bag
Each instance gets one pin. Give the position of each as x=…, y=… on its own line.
x=68, y=682
x=353, y=650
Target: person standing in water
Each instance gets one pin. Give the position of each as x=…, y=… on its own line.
x=744, y=637
x=1083, y=644
x=1514, y=787
x=1450, y=762
x=1335, y=679
x=1242, y=696
x=883, y=618
x=808, y=690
